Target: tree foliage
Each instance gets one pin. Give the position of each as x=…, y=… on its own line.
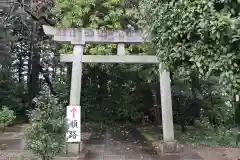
x=196, y=35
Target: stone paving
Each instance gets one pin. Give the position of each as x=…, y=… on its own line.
x=120, y=144
x=127, y=144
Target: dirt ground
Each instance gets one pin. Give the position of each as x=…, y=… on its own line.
x=208, y=153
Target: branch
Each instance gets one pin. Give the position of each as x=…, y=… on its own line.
x=28, y=11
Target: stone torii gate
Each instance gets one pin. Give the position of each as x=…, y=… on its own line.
x=80, y=36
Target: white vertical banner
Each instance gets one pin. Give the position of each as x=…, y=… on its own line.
x=74, y=124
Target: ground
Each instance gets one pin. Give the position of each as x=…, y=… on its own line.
x=218, y=153
x=123, y=143
x=120, y=143
x=203, y=142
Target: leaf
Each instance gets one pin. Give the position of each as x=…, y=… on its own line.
x=198, y=64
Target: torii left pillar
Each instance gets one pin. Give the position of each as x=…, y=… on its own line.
x=76, y=83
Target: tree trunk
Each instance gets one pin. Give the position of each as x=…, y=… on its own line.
x=156, y=107
x=236, y=107
x=102, y=79
x=47, y=79
x=194, y=88
x=54, y=68
x=34, y=83
x=69, y=74
x=30, y=68
x=20, y=65
x=61, y=68
x=181, y=114
x=35, y=74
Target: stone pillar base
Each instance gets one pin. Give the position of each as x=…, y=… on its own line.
x=74, y=148
x=167, y=147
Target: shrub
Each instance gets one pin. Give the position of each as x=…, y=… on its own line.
x=46, y=134
x=6, y=117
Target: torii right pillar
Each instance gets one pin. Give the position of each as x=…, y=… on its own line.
x=169, y=144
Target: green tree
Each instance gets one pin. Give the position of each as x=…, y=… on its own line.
x=47, y=131
x=196, y=35
x=198, y=40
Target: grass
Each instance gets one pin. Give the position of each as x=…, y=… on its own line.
x=193, y=136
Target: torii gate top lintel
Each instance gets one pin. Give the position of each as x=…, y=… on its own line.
x=89, y=35
x=81, y=36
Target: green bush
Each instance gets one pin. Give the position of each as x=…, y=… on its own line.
x=6, y=117
x=46, y=134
